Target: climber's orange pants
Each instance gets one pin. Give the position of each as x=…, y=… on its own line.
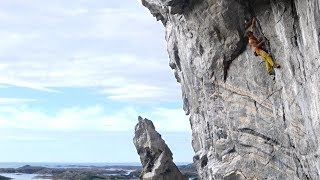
x=267, y=59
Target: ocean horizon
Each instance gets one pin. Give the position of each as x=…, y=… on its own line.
x=72, y=164
x=65, y=164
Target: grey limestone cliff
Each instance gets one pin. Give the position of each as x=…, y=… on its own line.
x=155, y=155
x=245, y=123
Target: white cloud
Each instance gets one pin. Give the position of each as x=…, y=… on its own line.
x=78, y=71
x=76, y=11
x=141, y=92
x=114, y=46
x=115, y=23
x=84, y=44
x=166, y=119
x=95, y=118
x=8, y=81
x=10, y=40
x=28, y=137
x=121, y=76
x=7, y=101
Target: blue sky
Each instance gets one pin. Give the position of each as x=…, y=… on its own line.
x=74, y=77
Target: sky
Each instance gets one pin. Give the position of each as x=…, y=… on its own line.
x=74, y=77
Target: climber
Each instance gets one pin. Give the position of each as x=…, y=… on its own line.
x=257, y=47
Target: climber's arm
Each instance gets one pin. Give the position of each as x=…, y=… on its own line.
x=252, y=24
x=246, y=26
x=261, y=42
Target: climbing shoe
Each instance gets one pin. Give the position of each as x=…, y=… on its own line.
x=271, y=72
x=276, y=66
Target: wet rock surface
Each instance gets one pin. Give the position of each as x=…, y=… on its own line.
x=155, y=155
x=247, y=124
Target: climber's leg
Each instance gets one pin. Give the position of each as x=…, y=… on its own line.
x=268, y=60
x=267, y=57
x=268, y=65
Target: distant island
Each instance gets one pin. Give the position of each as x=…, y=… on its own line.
x=88, y=172
x=4, y=178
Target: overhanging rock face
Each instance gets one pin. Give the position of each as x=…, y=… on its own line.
x=245, y=124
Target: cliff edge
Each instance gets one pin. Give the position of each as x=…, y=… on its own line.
x=245, y=123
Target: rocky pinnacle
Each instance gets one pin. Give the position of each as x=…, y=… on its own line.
x=155, y=155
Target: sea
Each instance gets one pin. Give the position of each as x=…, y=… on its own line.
x=64, y=165
x=20, y=176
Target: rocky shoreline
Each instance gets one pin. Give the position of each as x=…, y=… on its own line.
x=91, y=172
x=4, y=178
x=87, y=172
